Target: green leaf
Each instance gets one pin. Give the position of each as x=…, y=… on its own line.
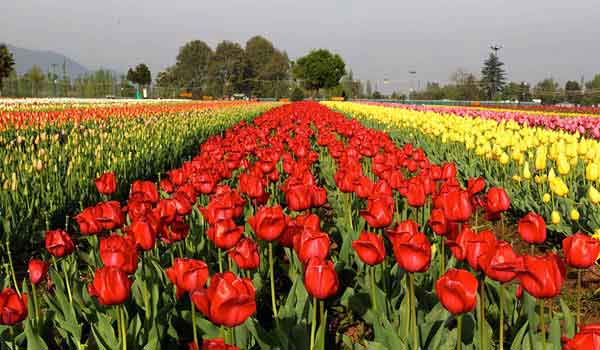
x=34, y=341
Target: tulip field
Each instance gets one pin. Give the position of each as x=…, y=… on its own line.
x=301, y=226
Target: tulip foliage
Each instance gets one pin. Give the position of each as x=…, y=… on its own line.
x=300, y=229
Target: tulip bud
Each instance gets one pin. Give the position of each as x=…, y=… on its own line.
x=592, y=171
x=555, y=217
x=574, y=214
x=546, y=197
x=540, y=158
x=526, y=172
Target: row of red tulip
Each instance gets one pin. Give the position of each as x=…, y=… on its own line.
x=278, y=150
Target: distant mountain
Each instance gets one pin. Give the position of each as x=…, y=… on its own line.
x=26, y=58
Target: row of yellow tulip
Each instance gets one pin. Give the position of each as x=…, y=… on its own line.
x=556, y=168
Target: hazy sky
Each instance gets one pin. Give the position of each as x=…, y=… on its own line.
x=378, y=39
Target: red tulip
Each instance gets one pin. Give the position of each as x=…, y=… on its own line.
x=363, y=187
x=379, y=212
x=295, y=227
x=402, y=228
x=448, y=170
x=111, y=286
x=477, y=245
x=268, y=223
x=106, y=184
x=245, y=254
x=143, y=233
x=580, y=250
x=13, y=309
x=119, y=252
x=145, y=191
x=532, y=228
x=217, y=344
x=437, y=222
x=320, y=278
x=38, y=269
x=497, y=200
x=225, y=234
x=252, y=185
x=588, y=338
x=187, y=275
x=457, y=206
x=475, y=185
x=167, y=210
x=59, y=243
x=175, y=232
x=412, y=252
x=416, y=196
x=166, y=186
x=457, y=291
x=499, y=263
x=310, y=244
x=542, y=276
x=228, y=301
x=370, y=248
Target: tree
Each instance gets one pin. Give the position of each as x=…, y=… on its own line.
x=140, y=75
x=573, y=92
x=492, y=76
x=319, y=69
x=35, y=76
x=267, y=66
x=368, y=90
x=228, y=69
x=191, y=67
x=547, y=91
x=466, y=86
x=7, y=63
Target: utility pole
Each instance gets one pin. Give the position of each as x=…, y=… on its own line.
x=412, y=73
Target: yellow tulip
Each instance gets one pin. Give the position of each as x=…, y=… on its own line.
x=526, y=172
x=546, y=197
x=559, y=187
x=593, y=195
x=563, y=165
x=574, y=214
x=592, y=172
x=504, y=158
x=555, y=217
x=540, y=158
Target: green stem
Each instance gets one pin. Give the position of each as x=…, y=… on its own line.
x=67, y=283
x=373, y=295
x=272, y=276
x=313, y=326
x=12, y=268
x=408, y=309
x=194, y=330
x=220, y=260
x=482, y=339
x=35, y=305
x=413, y=310
x=578, y=322
x=124, y=326
x=13, y=337
x=323, y=323
x=543, y=324
x=442, y=256
x=145, y=293
x=501, y=340
x=459, y=333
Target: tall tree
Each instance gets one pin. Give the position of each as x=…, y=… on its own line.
x=493, y=76
x=547, y=91
x=191, y=68
x=228, y=69
x=36, y=77
x=267, y=66
x=467, y=87
x=7, y=63
x=573, y=91
x=140, y=75
x=319, y=69
x=368, y=90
